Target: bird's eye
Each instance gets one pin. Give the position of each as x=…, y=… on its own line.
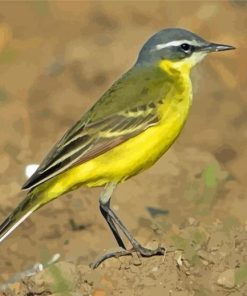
x=186, y=47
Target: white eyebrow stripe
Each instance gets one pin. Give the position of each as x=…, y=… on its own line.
x=174, y=43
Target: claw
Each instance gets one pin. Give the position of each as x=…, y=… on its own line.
x=140, y=250
x=114, y=254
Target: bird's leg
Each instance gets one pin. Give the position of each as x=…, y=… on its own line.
x=136, y=245
x=113, y=228
x=112, y=221
x=104, y=203
x=105, y=199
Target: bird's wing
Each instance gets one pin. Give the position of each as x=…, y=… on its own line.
x=123, y=112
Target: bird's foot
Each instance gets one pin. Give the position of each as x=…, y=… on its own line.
x=144, y=252
x=139, y=250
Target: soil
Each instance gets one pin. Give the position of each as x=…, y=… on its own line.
x=56, y=59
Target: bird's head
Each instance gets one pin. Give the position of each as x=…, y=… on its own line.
x=176, y=48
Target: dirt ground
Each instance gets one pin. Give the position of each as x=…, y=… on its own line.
x=56, y=59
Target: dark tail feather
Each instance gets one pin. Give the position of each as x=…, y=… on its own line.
x=25, y=209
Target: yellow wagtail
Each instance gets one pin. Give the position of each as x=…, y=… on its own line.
x=125, y=132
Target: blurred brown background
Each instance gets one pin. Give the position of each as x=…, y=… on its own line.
x=56, y=59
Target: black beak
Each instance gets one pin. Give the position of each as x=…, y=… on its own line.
x=214, y=47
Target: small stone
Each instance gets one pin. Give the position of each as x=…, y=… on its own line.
x=192, y=221
x=227, y=279
x=205, y=256
x=154, y=269
x=204, y=262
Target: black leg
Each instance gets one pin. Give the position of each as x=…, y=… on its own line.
x=136, y=245
x=112, y=221
x=111, y=224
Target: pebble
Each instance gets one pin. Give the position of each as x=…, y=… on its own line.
x=227, y=279
x=206, y=256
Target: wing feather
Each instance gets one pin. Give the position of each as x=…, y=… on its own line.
x=124, y=111
x=91, y=141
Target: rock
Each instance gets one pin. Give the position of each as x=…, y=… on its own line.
x=227, y=279
x=192, y=221
x=206, y=256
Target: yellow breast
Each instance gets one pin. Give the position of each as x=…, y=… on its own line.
x=137, y=153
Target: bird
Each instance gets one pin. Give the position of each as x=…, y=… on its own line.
x=124, y=133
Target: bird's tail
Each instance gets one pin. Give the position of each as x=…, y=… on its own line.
x=25, y=209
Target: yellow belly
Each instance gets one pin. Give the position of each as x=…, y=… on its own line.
x=130, y=157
